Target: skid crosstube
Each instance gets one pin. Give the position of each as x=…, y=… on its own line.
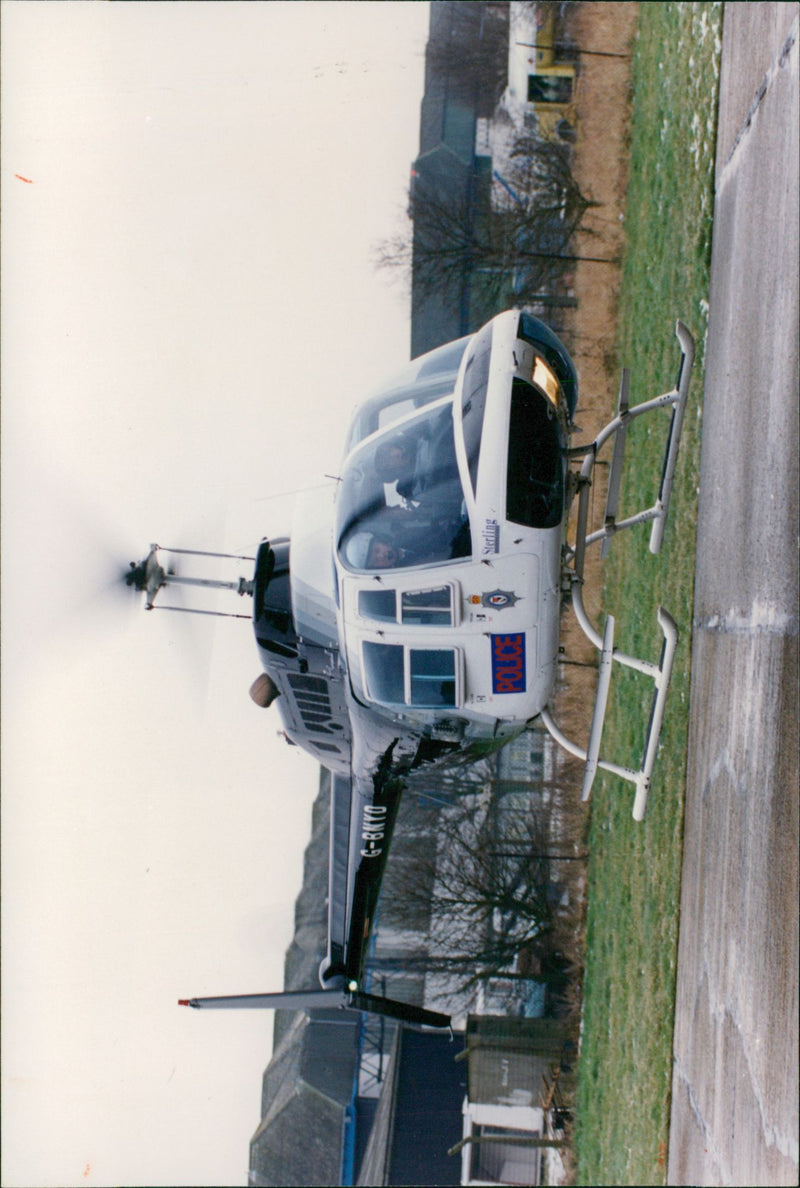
x=617, y=429
x=661, y=672
x=640, y=777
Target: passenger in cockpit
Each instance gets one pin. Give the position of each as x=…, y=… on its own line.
x=424, y=519
x=395, y=461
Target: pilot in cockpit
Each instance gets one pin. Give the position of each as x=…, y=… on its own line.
x=402, y=539
x=368, y=550
x=395, y=461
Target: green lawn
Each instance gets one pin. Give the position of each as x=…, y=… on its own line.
x=624, y=1075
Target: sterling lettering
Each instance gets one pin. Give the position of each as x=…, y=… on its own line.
x=490, y=537
x=508, y=663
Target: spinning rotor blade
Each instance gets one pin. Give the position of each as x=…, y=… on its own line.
x=205, y=553
x=417, y=1016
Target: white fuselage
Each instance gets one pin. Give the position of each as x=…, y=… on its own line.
x=472, y=637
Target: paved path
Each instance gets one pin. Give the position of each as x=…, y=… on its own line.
x=735, y=1080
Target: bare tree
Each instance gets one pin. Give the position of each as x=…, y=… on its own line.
x=517, y=248
x=487, y=893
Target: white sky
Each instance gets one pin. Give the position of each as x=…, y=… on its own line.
x=190, y=312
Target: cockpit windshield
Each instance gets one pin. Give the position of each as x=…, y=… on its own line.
x=400, y=501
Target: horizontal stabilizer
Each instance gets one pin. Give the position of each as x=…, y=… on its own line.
x=310, y=1000
x=287, y=1000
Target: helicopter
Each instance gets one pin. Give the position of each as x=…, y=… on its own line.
x=414, y=611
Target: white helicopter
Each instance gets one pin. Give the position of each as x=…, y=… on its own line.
x=418, y=612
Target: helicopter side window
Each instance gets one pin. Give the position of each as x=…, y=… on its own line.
x=427, y=607
x=418, y=608
x=432, y=677
x=421, y=677
x=378, y=604
x=384, y=672
x=535, y=493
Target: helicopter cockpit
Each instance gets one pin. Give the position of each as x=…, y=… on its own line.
x=400, y=502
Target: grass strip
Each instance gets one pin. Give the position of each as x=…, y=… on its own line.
x=625, y=1069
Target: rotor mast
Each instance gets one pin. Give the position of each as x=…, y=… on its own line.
x=149, y=576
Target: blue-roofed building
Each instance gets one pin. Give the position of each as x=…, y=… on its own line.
x=327, y=1081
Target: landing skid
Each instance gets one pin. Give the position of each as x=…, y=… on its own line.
x=661, y=672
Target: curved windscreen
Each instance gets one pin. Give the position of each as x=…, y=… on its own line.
x=423, y=380
x=400, y=501
x=474, y=391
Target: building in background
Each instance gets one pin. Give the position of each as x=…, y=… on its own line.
x=511, y=1114
x=493, y=201
x=465, y=74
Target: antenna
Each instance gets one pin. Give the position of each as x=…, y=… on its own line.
x=298, y=490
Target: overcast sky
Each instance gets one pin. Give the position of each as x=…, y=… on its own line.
x=191, y=196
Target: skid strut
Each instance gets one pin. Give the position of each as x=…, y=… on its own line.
x=661, y=672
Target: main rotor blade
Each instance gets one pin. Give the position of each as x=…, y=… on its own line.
x=376, y=1005
x=205, y=553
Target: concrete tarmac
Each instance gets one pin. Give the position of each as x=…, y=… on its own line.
x=735, y=1077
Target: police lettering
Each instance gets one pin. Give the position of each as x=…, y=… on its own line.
x=508, y=663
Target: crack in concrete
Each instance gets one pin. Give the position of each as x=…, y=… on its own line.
x=763, y=87
x=722, y=1010
x=711, y=1149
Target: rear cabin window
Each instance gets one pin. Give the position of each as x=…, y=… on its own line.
x=384, y=672
x=378, y=604
x=421, y=677
x=433, y=677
